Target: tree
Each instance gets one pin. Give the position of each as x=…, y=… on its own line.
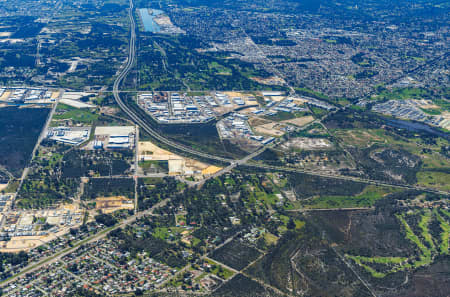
x=291, y=224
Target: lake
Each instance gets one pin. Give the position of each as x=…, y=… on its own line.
x=147, y=19
x=416, y=127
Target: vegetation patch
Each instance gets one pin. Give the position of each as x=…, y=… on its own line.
x=241, y=285
x=423, y=240
x=366, y=198
x=236, y=254
x=76, y=115
x=19, y=131
x=105, y=187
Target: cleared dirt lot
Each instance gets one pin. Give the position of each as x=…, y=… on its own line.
x=112, y=204
x=272, y=129
x=177, y=164
x=307, y=143
x=302, y=121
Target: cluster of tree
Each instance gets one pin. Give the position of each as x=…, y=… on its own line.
x=13, y=259
x=78, y=163
x=46, y=191
x=189, y=67
x=98, y=187
x=106, y=219
x=399, y=162
x=156, y=248
x=149, y=195
x=308, y=185
x=19, y=130
x=219, y=199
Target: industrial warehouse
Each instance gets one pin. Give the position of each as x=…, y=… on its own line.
x=69, y=135
x=121, y=137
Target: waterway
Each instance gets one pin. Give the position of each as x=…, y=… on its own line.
x=416, y=127
x=147, y=16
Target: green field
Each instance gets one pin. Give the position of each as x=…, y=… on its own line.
x=219, y=270
x=401, y=94
x=434, y=179
x=156, y=164
x=366, y=198
x=445, y=235
x=66, y=112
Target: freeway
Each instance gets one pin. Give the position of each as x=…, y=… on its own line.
x=135, y=117
x=233, y=163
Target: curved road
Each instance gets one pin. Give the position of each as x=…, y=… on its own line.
x=122, y=75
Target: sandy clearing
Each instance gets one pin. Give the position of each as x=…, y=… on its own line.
x=55, y=95
x=5, y=95
x=307, y=143
x=276, y=98
x=177, y=164
x=211, y=170
x=269, y=129
x=300, y=121
x=149, y=151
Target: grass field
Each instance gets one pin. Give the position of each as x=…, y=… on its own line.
x=445, y=235
x=366, y=198
x=157, y=164
x=423, y=225
x=362, y=137
x=12, y=187
x=66, y=112
x=220, y=271
x=401, y=94
x=434, y=179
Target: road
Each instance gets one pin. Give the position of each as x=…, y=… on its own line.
x=233, y=165
x=136, y=168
